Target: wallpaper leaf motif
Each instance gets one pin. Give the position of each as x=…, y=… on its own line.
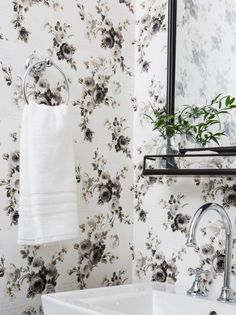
x=7, y=71
x=155, y=264
x=39, y=275
x=106, y=188
x=98, y=247
x=98, y=89
x=20, y=8
x=111, y=37
x=104, y=46
x=11, y=185
x=119, y=141
x=116, y=279
x=223, y=187
x=61, y=47
x=129, y=4
x=151, y=23
x=176, y=219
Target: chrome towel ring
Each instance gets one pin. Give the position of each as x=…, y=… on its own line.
x=35, y=69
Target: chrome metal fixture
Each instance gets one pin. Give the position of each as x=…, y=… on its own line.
x=35, y=67
x=197, y=289
x=226, y=295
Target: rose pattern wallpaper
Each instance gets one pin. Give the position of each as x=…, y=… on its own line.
x=132, y=228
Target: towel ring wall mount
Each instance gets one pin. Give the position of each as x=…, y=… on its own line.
x=35, y=67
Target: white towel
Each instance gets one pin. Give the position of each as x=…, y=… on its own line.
x=48, y=203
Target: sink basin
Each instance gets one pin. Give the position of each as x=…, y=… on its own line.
x=135, y=299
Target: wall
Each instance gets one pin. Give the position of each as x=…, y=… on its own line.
x=164, y=206
x=98, y=59
x=115, y=75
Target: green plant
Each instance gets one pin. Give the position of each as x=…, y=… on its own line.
x=194, y=121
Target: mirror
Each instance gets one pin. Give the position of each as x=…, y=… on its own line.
x=205, y=55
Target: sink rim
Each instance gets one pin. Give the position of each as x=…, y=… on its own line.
x=123, y=290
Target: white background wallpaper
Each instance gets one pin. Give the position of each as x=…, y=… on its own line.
x=132, y=228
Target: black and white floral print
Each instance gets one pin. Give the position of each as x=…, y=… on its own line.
x=108, y=188
x=119, y=141
x=155, y=263
x=111, y=36
x=152, y=22
x=11, y=185
x=212, y=252
x=98, y=247
x=40, y=276
x=63, y=49
x=117, y=278
x=129, y=4
x=98, y=90
x=7, y=71
x=95, y=44
x=176, y=220
x=20, y=9
x=42, y=92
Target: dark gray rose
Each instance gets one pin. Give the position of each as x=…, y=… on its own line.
x=88, y=135
x=12, y=273
x=66, y=51
x=15, y=158
x=37, y=284
x=142, y=216
x=95, y=255
x=145, y=66
x=105, y=194
x=23, y=34
x=15, y=217
x=160, y=275
x=99, y=95
x=108, y=40
x=85, y=245
x=29, y=311
x=122, y=143
x=208, y=250
x=230, y=196
x=181, y=221
x=219, y=262
x=89, y=83
x=155, y=25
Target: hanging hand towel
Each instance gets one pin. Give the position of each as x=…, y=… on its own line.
x=48, y=203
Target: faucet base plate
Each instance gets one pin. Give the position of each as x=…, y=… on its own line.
x=226, y=296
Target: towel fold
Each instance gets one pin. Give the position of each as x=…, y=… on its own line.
x=48, y=202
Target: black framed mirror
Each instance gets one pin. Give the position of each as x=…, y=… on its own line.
x=200, y=57
x=180, y=13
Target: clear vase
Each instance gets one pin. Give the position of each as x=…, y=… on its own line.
x=167, y=148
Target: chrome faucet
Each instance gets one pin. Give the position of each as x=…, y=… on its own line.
x=226, y=294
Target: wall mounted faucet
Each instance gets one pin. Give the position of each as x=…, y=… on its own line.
x=226, y=295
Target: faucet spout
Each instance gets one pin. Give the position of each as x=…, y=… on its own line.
x=226, y=292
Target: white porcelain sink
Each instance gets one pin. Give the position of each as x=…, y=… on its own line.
x=135, y=299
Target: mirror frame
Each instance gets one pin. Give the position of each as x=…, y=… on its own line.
x=171, y=56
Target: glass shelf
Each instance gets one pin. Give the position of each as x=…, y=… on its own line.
x=191, y=162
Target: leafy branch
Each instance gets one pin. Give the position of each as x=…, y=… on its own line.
x=194, y=121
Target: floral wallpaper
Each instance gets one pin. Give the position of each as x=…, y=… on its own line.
x=164, y=206
x=204, y=59
x=132, y=228
x=92, y=42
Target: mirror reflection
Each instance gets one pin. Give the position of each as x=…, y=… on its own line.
x=206, y=45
